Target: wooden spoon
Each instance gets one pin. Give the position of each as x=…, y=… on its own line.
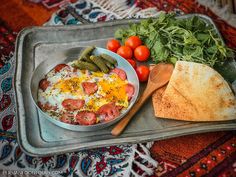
x=158, y=77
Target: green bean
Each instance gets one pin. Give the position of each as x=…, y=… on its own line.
x=99, y=62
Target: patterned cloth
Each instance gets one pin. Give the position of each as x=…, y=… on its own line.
x=209, y=154
x=106, y=161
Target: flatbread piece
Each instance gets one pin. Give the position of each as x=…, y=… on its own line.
x=195, y=92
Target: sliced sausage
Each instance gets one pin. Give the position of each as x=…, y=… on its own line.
x=67, y=118
x=109, y=111
x=86, y=118
x=73, y=104
x=120, y=72
x=129, y=88
x=59, y=67
x=75, y=70
x=43, y=84
x=119, y=107
x=89, y=87
x=40, y=105
x=47, y=106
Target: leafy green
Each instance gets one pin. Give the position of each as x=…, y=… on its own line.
x=170, y=39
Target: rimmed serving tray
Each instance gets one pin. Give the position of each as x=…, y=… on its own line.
x=39, y=137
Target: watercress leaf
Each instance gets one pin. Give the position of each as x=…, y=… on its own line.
x=162, y=17
x=173, y=60
x=211, y=50
x=202, y=36
x=190, y=39
x=197, y=52
x=146, y=22
x=119, y=33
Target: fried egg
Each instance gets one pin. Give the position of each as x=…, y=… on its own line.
x=68, y=84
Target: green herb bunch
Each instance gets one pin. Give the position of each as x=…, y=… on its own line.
x=170, y=39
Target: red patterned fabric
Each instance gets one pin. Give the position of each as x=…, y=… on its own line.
x=208, y=154
x=7, y=39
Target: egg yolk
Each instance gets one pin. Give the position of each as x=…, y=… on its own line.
x=109, y=90
x=114, y=90
x=70, y=85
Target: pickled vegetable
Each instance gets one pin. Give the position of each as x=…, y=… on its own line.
x=85, y=65
x=109, y=59
x=108, y=64
x=86, y=52
x=87, y=59
x=99, y=62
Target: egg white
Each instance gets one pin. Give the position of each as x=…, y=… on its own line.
x=55, y=93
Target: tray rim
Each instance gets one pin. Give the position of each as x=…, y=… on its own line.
x=29, y=29
x=35, y=151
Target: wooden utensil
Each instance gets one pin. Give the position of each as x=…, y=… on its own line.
x=158, y=77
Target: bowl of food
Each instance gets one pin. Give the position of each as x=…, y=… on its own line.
x=87, y=93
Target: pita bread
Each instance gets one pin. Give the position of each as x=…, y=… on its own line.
x=195, y=92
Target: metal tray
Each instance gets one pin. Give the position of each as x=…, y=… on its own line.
x=39, y=137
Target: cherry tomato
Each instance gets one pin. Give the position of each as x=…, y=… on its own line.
x=132, y=62
x=142, y=53
x=113, y=45
x=143, y=73
x=133, y=42
x=125, y=51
